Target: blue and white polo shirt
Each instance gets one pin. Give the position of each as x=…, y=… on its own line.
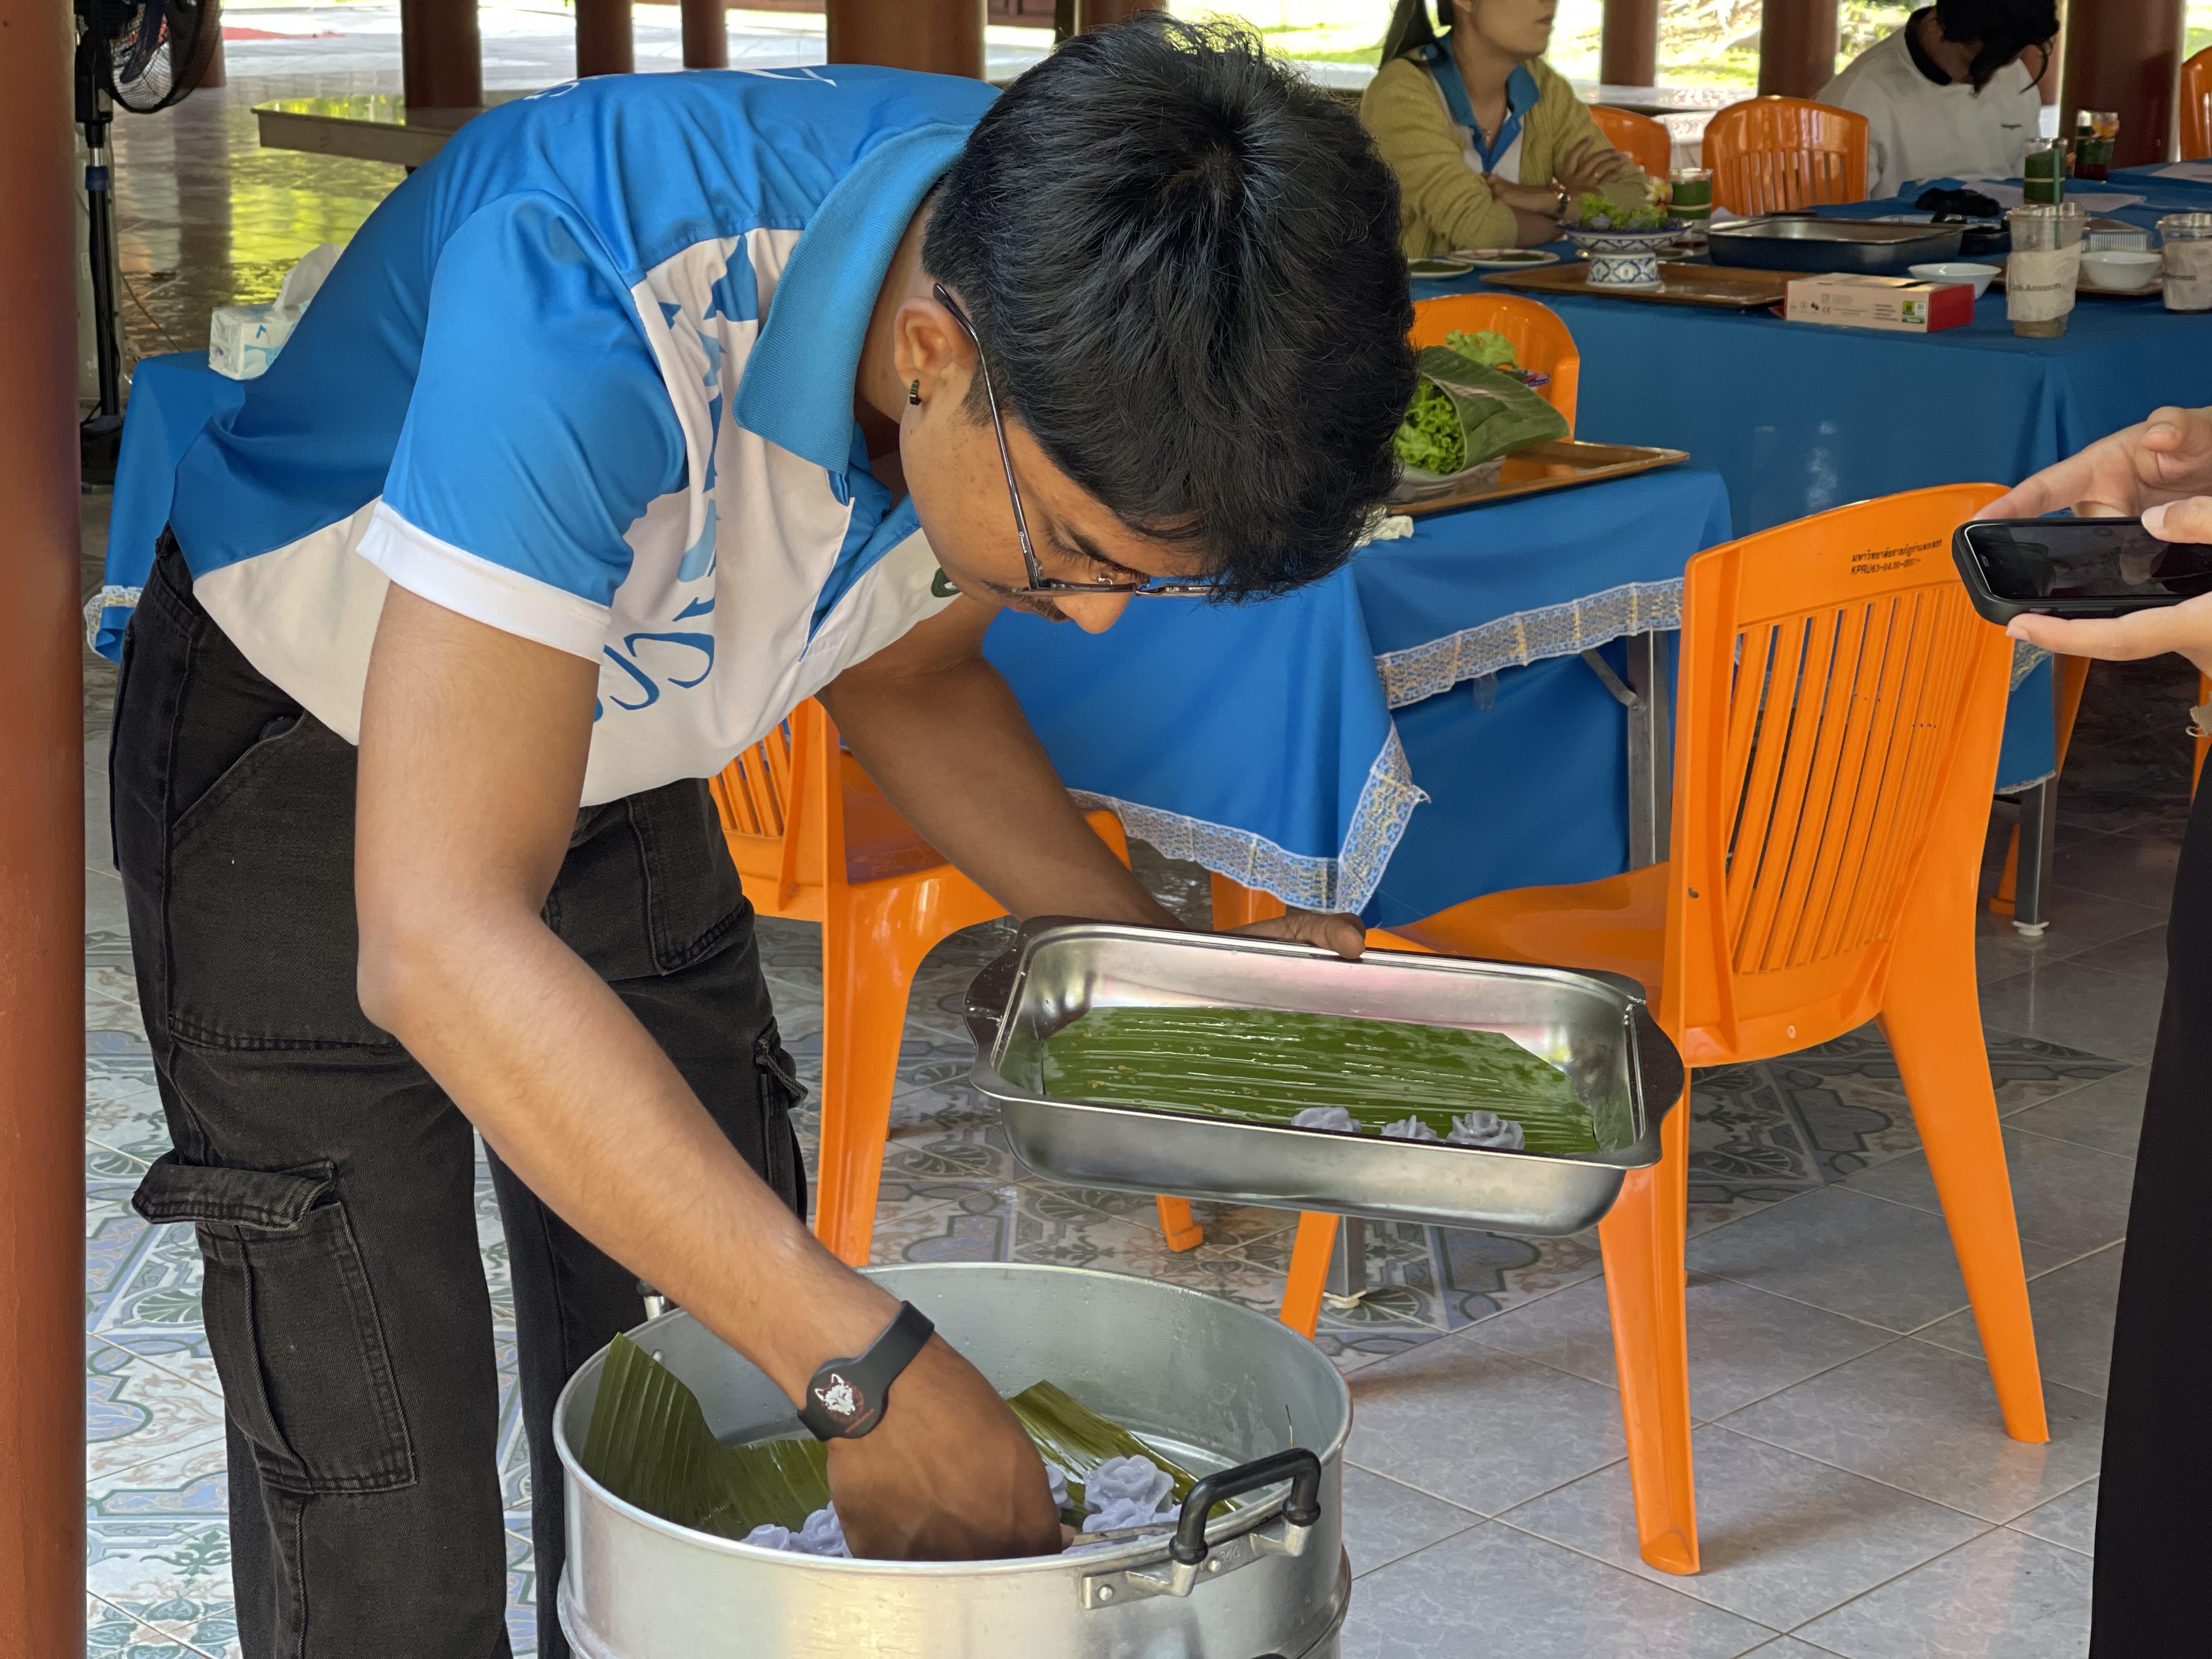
x=588, y=378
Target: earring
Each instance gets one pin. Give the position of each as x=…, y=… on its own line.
x=913, y=393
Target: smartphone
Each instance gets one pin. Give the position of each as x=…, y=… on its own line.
x=2076, y=566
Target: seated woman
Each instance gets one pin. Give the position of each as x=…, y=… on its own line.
x=1951, y=94
x=1490, y=144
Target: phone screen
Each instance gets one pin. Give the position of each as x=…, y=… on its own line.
x=2057, y=559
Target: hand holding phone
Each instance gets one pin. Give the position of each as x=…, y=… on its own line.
x=2094, y=568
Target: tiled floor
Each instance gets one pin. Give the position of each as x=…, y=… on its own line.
x=1857, y=1496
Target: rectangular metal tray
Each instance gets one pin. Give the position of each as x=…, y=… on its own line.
x=1594, y=1026
x=1869, y=247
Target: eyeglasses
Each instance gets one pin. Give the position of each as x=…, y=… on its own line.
x=1040, y=586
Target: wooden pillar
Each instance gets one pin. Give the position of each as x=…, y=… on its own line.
x=1628, y=46
x=2129, y=61
x=440, y=54
x=706, y=34
x=1097, y=14
x=1797, y=47
x=42, y=853
x=606, y=44
x=945, y=37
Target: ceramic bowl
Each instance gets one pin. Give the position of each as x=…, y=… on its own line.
x=1957, y=270
x=2119, y=268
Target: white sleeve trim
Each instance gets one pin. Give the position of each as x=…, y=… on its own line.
x=484, y=592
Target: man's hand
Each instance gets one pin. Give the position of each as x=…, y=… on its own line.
x=949, y=1475
x=2185, y=628
x=1345, y=935
x=2162, y=460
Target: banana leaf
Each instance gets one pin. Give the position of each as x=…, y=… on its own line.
x=649, y=1443
x=1490, y=414
x=1265, y=1065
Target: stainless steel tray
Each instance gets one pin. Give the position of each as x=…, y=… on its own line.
x=1864, y=247
x=1594, y=1026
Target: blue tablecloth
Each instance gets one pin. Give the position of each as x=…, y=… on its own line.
x=1799, y=418
x=1416, y=729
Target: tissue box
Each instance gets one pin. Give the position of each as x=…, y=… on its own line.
x=1889, y=302
x=244, y=340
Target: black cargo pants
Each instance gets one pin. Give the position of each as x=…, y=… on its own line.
x=332, y=1184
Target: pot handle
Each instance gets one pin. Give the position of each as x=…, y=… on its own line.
x=1296, y=1464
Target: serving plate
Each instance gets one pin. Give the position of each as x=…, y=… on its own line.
x=1725, y=288
x=1562, y=465
x=1803, y=243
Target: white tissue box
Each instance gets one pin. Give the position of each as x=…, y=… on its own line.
x=244, y=340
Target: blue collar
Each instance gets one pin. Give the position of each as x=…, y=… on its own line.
x=796, y=388
x=1521, y=94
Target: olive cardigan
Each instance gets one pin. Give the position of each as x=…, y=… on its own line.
x=1445, y=204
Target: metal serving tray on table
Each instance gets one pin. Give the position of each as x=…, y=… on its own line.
x=1594, y=1026
x=1871, y=247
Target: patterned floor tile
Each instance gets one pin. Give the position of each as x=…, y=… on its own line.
x=2106, y=1114
x=2070, y=1521
x=150, y=1302
x=171, y=1579
x=2072, y=1198
x=137, y=1410
x=521, y=1596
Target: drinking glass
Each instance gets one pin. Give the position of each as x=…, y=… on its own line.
x=2188, y=269
x=2046, y=263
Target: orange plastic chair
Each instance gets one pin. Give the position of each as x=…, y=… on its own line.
x=2196, y=106
x=815, y=840
x=1775, y=154
x=1643, y=141
x=1840, y=708
x=1541, y=339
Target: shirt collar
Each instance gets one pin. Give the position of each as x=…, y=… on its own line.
x=796, y=388
x=1521, y=96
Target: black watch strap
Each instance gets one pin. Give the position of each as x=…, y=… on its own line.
x=845, y=1399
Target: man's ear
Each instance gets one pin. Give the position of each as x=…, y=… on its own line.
x=933, y=350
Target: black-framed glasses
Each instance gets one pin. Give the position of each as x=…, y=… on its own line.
x=1040, y=586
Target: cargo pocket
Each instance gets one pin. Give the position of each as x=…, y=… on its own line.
x=780, y=1091
x=306, y=1373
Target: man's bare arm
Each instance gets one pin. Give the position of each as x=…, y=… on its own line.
x=472, y=753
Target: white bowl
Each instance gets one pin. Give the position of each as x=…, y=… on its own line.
x=2117, y=268
x=1957, y=271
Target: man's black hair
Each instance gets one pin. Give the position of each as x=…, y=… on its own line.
x=1182, y=261
x=2003, y=29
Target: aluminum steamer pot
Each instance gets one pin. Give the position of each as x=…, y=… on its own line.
x=1221, y=1388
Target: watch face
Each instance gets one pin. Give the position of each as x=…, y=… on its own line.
x=839, y=1399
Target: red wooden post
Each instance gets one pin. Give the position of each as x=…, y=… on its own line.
x=1797, y=47
x=706, y=34
x=1628, y=46
x=42, y=853
x=606, y=44
x=440, y=54
x=945, y=37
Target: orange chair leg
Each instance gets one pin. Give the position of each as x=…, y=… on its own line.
x=1644, y=1239
x=1310, y=1256
x=1181, y=1227
x=864, y=984
x=1935, y=1028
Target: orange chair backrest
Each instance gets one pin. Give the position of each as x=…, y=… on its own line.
x=1840, y=708
x=2196, y=106
x=781, y=805
x=1775, y=154
x=1641, y=139
x=1541, y=341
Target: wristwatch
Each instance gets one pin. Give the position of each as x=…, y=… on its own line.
x=845, y=1398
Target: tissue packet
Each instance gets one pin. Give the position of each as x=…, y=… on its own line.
x=244, y=340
